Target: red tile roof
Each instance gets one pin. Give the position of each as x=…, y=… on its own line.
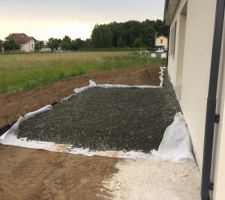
x=20, y=38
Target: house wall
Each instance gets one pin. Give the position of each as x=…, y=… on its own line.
x=219, y=151
x=173, y=59
x=219, y=144
x=28, y=47
x=196, y=66
x=164, y=41
x=219, y=179
x=180, y=52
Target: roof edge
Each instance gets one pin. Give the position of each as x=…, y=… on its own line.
x=170, y=10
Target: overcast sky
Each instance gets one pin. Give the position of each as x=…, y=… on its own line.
x=76, y=18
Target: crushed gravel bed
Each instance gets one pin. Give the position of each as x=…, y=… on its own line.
x=107, y=119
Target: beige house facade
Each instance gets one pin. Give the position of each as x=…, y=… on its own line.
x=28, y=46
x=190, y=62
x=161, y=41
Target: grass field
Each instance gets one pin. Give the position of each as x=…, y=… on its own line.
x=26, y=71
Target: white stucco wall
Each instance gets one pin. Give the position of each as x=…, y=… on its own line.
x=172, y=59
x=196, y=66
x=28, y=47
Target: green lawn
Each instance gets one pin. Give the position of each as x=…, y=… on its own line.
x=26, y=71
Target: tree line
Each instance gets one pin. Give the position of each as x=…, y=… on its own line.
x=113, y=35
x=9, y=45
x=67, y=43
x=128, y=34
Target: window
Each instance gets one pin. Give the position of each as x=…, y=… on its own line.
x=161, y=41
x=173, y=39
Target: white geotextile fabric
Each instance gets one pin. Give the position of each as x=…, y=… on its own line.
x=176, y=144
x=15, y=127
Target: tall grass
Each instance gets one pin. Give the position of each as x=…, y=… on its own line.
x=26, y=71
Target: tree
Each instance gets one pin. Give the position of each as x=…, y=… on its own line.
x=107, y=36
x=54, y=43
x=120, y=43
x=118, y=31
x=161, y=28
x=102, y=36
x=74, y=46
x=138, y=43
x=88, y=43
x=11, y=45
x=132, y=32
x=66, y=43
x=148, y=33
x=80, y=43
x=1, y=44
x=39, y=45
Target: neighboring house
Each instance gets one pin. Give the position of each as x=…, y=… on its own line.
x=196, y=54
x=27, y=44
x=161, y=41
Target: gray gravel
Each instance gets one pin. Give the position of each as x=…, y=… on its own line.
x=107, y=119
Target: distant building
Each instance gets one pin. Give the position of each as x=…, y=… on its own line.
x=161, y=42
x=27, y=44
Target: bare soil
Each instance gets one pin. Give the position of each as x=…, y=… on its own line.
x=28, y=174
x=15, y=104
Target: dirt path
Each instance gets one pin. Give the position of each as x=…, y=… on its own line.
x=40, y=175
x=15, y=104
x=155, y=180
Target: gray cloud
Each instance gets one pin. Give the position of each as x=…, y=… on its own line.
x=82, y=10
x=76, y=18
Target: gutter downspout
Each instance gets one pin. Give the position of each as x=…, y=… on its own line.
x=211, y=116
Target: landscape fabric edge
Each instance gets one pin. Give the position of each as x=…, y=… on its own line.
x=10, y=138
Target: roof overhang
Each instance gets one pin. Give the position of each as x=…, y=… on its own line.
x=170, y=10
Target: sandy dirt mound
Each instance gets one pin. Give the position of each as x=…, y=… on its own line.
x=15, y=104
x=36, y=174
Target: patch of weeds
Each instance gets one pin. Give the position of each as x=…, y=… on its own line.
x=80, y=71
x=61, y=75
